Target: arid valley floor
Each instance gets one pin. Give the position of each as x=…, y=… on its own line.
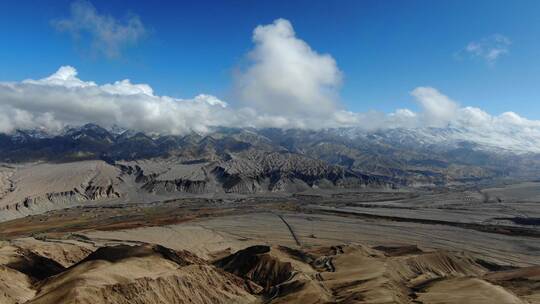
x=368, y=246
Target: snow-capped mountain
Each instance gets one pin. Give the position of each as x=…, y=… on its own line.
x=408, y=156
x=508, y=141
x=496, y=141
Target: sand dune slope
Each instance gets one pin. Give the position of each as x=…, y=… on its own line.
x=467, y=290
x=67, y=271
x=142, y=274
x=360, y=274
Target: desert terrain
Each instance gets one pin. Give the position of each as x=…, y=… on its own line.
x=265, y=216
x=461, y=245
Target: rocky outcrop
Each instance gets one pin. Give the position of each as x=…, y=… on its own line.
x=178, y=185
x=169, y=176
x=257, y=264
x=246, y=172
x=253, y=171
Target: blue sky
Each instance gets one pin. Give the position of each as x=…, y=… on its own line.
x=385, y=49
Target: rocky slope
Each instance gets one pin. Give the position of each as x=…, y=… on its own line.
x=246, y=172
x=36, y=188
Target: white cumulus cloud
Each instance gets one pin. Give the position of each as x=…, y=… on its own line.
x=285, y=76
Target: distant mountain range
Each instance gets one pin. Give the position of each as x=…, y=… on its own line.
x=413, y=157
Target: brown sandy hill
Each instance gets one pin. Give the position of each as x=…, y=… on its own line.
x=359, y=274
x=65, y=271
x=524, y=282
x=142, y=274
x=65, y=252
x=21, y=268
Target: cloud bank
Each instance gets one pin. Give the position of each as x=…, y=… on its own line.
x=108, y=35
x=438, y=109
x=286, y=84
